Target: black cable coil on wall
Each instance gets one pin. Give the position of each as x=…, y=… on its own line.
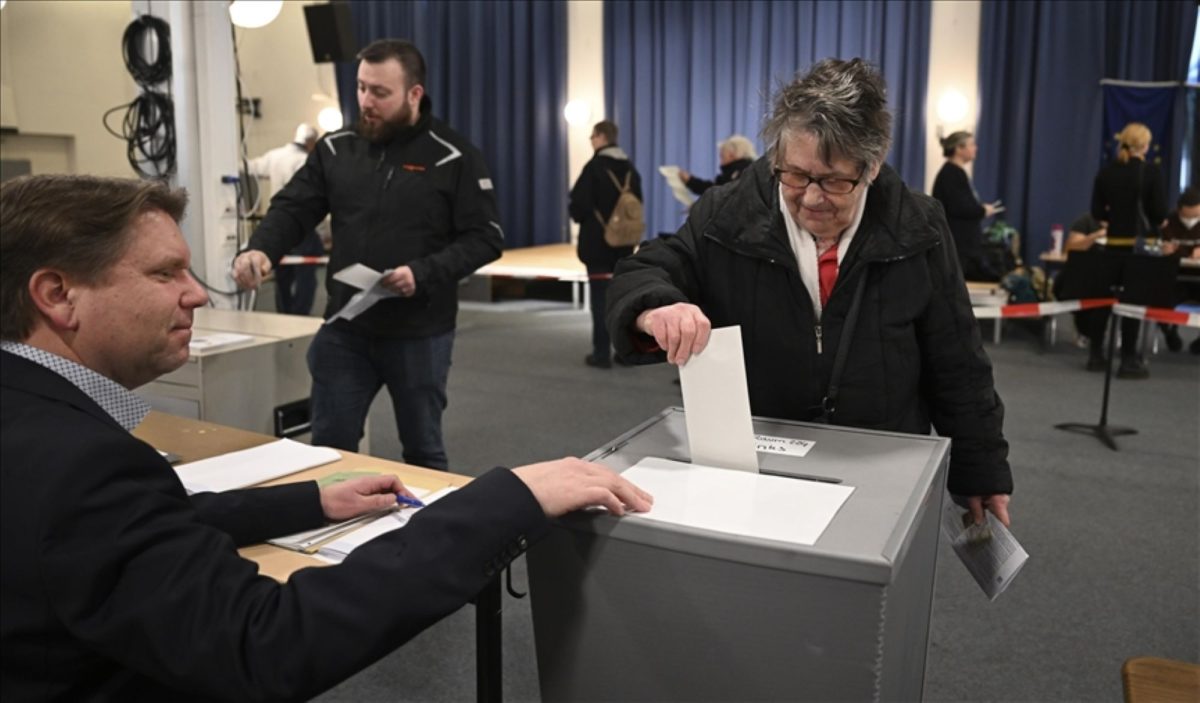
x=149, y=124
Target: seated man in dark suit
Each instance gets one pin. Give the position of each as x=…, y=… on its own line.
x=117, y=585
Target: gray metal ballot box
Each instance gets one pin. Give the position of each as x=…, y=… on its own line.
x=629, y=609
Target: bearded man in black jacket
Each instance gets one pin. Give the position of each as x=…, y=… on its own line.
x=845, y=283
x=408, y=197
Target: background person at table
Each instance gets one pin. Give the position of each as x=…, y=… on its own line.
x=786, y=250
x=591, y=202
x=735, y=155
x=964, y=213
x=295, y=286
x=1181, y=237
x=407, y=195
x=1129, y=197
x=1085, y=233
x=117, y=585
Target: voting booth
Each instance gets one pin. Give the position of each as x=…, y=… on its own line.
x=639, y=609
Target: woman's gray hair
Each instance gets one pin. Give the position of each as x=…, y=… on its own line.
x=951, y=143
x=741, y=147
x=841, y=103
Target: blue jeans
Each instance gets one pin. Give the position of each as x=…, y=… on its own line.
x=348, y=368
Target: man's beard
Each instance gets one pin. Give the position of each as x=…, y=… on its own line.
x=384, y=131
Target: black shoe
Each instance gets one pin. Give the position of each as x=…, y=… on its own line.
x=1133, y=368
x=1096, y=363
x=598, y=362
x=1174, y=341
x=1194, y=347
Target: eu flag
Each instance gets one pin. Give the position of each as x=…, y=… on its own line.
x=1152, y=105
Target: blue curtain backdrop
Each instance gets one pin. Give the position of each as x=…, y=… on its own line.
x=681, y=76
x=497, y=74
x=1041, y=102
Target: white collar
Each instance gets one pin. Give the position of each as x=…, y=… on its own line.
x=805, y=248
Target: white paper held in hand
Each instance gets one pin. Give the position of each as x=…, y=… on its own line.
x=717, y=404
x=372, y=290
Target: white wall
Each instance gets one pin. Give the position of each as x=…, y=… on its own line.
x=953, y=65
x=585, y=80
x=277, y=66
x=61, y=65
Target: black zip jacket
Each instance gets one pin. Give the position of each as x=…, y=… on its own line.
x=729, y=172
x=424, y=200
x=916, y=359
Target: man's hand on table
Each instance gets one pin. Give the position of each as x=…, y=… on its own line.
x=358, y=496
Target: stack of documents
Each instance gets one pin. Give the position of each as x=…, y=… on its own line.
x=252, y=466
x=340, y=540
x=217, y=340
x=310, y=541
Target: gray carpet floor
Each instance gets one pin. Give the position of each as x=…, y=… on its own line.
x=1114, y=537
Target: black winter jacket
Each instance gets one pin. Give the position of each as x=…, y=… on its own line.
x=594, y=192
x=729, y=172
x=916, y=357
x=424, y=200
x=964, y=212
x=1115, y=198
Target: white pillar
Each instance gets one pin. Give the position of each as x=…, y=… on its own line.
x=953, y=65
x=203, y=87
x=585, y=81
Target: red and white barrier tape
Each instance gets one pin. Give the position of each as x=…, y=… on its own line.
x=1166, y=315
x=290, y=260
x=1040, y=309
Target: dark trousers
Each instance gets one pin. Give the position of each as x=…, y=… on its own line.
x=296, y=284
x=1093, y=323
x=598, y=290
x=349, y=367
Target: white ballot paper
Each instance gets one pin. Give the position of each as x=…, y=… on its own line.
x=717, y=405
x=255, y=465
x=737, y=502
x=678, y=189
x=371, y=290
x=340, y=548
x=989, y=551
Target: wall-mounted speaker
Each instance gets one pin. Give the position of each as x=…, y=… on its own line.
x=330, y=33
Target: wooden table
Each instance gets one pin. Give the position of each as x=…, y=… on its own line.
x=195, y=439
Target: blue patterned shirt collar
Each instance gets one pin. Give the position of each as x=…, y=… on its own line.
x=122, y=404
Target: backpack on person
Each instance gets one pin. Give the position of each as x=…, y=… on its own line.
x=626, y=224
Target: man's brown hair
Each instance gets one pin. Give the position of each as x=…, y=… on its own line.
x=78, y=225
x=405, y=52
x=608, y=130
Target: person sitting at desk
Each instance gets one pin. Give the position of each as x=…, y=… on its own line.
x=115, y=584
x=1181, y=237
x=735, y=155
x=816, y=245
x=1086, y=232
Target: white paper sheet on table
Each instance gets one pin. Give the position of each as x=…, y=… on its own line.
x=737, y=502
x=371, y=290
x=251, y=466
x=217, y=340
x=678, y=189
x=717, y=405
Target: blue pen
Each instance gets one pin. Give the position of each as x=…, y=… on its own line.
x=409, y=502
